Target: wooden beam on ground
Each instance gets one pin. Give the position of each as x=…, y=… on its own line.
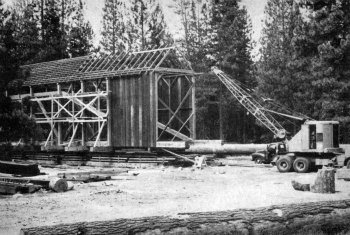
x=179, y=156
x=327, y=217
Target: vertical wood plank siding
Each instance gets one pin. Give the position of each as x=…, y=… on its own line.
x=134, y=111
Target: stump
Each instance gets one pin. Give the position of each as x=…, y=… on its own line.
x=58, y=185
x=325, y=182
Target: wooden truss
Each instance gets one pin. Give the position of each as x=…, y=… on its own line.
x=96, y=66
x=73, y=115
x=176, y=108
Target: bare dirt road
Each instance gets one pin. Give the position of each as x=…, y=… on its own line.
x=161, y=191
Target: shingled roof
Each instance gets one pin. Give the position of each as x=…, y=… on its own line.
x=96, y=66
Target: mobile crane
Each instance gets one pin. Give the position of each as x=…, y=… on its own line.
x=316, y=144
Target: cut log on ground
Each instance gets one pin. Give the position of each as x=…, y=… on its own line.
x=330, y=217
x=300, y=187
x=58, y=185
x=17, y=168
x=325, y=182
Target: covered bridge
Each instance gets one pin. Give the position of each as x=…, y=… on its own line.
x=121, y=100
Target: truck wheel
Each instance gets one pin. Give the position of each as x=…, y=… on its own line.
x=284, y=164
x=348, y=164
x=301, y=165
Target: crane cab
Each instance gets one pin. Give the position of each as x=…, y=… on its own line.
x=317, y=137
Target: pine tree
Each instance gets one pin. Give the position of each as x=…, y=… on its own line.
x=114, y=26
x=280, y=71
x=157, y=32
x=27, y=33
x=54, y=38
x=80, y=34
x=8, y=60
x=14, y=124
x=231, y=47
x=328, y=40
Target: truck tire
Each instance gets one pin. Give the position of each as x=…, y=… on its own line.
x=284, y=164
x=301, y=165
x=348, y=164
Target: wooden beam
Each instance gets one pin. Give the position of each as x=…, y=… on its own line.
x=173, y=132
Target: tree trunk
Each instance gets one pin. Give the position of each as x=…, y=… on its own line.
x=310, y=218
x=325, y=182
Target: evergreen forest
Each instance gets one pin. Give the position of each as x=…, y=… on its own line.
x=302, y=68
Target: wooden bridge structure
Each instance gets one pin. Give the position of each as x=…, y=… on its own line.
x=120, y=100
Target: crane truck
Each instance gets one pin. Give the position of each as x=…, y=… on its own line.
x=316, y=143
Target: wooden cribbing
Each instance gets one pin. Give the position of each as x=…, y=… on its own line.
x=328, y=217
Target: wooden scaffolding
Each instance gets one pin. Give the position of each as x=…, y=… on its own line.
x=127, y=99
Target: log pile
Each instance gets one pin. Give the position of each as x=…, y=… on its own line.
x=329, y=217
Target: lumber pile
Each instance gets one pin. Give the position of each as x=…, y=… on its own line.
x=326, y=217
x=12, y=185
x=18, y=168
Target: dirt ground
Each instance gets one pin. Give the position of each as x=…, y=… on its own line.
x=161, y=191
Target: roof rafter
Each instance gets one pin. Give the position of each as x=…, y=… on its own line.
x=97, y=66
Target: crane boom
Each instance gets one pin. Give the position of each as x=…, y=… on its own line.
x=249, y=103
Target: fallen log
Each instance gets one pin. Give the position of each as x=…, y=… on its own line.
x=328, y=217
x=102, y=172
x=85, y=177
x=18, y=168
x=227, y=148
x=300, y=187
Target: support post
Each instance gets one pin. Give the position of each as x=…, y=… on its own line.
x=193, y=103
x=59, y=124
x=51, y=119
x=109, y=119
x=82, y=87
x=31, y=96
x=220, y=115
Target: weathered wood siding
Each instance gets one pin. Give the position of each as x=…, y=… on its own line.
x=134, y=111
